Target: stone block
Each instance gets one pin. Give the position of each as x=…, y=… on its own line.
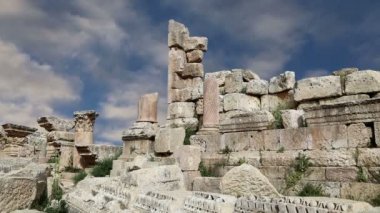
x=238, y=101
x=376, y=129
x=184, y=122
x=256, y=140
x=307, y=104
x=366, y=81
x=283, y=82
x=274, y=158
x=137, y=147
x=194, y=92
x=281, y=100
x=319, y=87
x=316, y=173
x=169, y=140
x=188, y=157
x=274, y=172
x=332, y=158
x=360, y=191
x=51, y=123
x=271, y=140
x=341, y=174
x=208, y=141
x=248, y=157
x=257, y=120
x=60, y=135
x=181, y=110
x=358, y=135
x=343, y=99
x=196, y=43
x=199, y=105
x=194, y=56
x=234, y=82
x=236, y=141
x=177, y=61
x=192, y=70
x=328, y=137
x=140, y=130
x=207, y=184
x=292, y=118
x=369, y=157
x=220, y=76
x=178, y=33
x=295, y=139
x=248, y=75
x=189, y=177
x=257, y=87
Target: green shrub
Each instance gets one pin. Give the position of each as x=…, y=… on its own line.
x=278, y=118
x=281, y=150
x=241, y=161
x=376, y=201
x=72, y=169
x=309, y=190
x=302, y=163
x=53, y=159
x=80, y=176
x=102, y=168
x=226, y=150
x=361, y=175
x=41, y=203
x=292, y=179
x=189, y=133
x=56, y=191
x=206, y=171
x=62, y=208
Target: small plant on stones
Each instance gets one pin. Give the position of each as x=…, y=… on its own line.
x=361, y=175
x=301, y=165
x=281, y=150
x=310, y=190
x=206, y=171
x=188, y=133
x=277, y=124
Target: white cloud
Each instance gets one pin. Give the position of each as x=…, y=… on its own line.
x=29, y=89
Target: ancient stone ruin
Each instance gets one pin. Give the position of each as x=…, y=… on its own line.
x=232, y=142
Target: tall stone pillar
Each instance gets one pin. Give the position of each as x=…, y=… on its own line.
x=84, y=127
x=211, y=104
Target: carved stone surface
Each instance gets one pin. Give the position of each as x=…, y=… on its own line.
x=51, y=123
x=19, y=131
x=209, y=202
x=246, y=180
x=210, y=104
x=148, y=108
x=257, y=120
x=84, y=126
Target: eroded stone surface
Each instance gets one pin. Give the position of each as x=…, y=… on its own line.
x=238, y=101
x=318, y=87
x=283, y=82
x=365, y=81
x=292, y=118
x=257, y=87
x=51, y=123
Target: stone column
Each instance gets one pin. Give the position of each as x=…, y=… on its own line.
x=148, y=108
x=211, y=104
x=84, y=127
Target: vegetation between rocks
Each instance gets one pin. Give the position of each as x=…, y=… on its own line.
x=310, y=190
x=301, y=165
x=104, y=167
x=188, y=133
x=79, y=176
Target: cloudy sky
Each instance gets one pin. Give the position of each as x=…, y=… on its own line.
x=60, y=56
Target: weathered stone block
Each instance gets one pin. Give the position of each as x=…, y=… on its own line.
x=60, y=135
x=319, y=87
x=194, y=56
x=369, y=157
x=272, y=140
x=207, y=184
x=196, y=43
x=274, y=172
x=345, y=71
x=234, y=82
x=188, y=157
x=208, y=141
x=199, y=105
x=247, y=121
x=366, y=81
x=331, y=158
x=295, y=139
x=256, y=140
x=328, y=137
x=376, y=129
x=248, y=157
x=341, y=174
x=178, y=33
x=192, y=70
x=169, y=139
x=182, y=110
x=248, y=75
x=177, y=61
x=189, y=177
x=137, y=147
x=220, y=76
x=238, y=101
x=184, y=122
x=359, y=135
x=274, y=158
x=360, y=191
x=343, y=99
x=307, y=104
x=247, y=180
x=257, y=87
x=282, y=100
x=283, y=82
x=237, y=141
x=292, y=118
x=316, y=173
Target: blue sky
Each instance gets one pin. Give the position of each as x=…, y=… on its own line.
x=60, y=56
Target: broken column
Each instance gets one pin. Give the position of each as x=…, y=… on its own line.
x=208, y=137
x=139, y=138
x=185, y=75
x=84, y=137
x=16, y=143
